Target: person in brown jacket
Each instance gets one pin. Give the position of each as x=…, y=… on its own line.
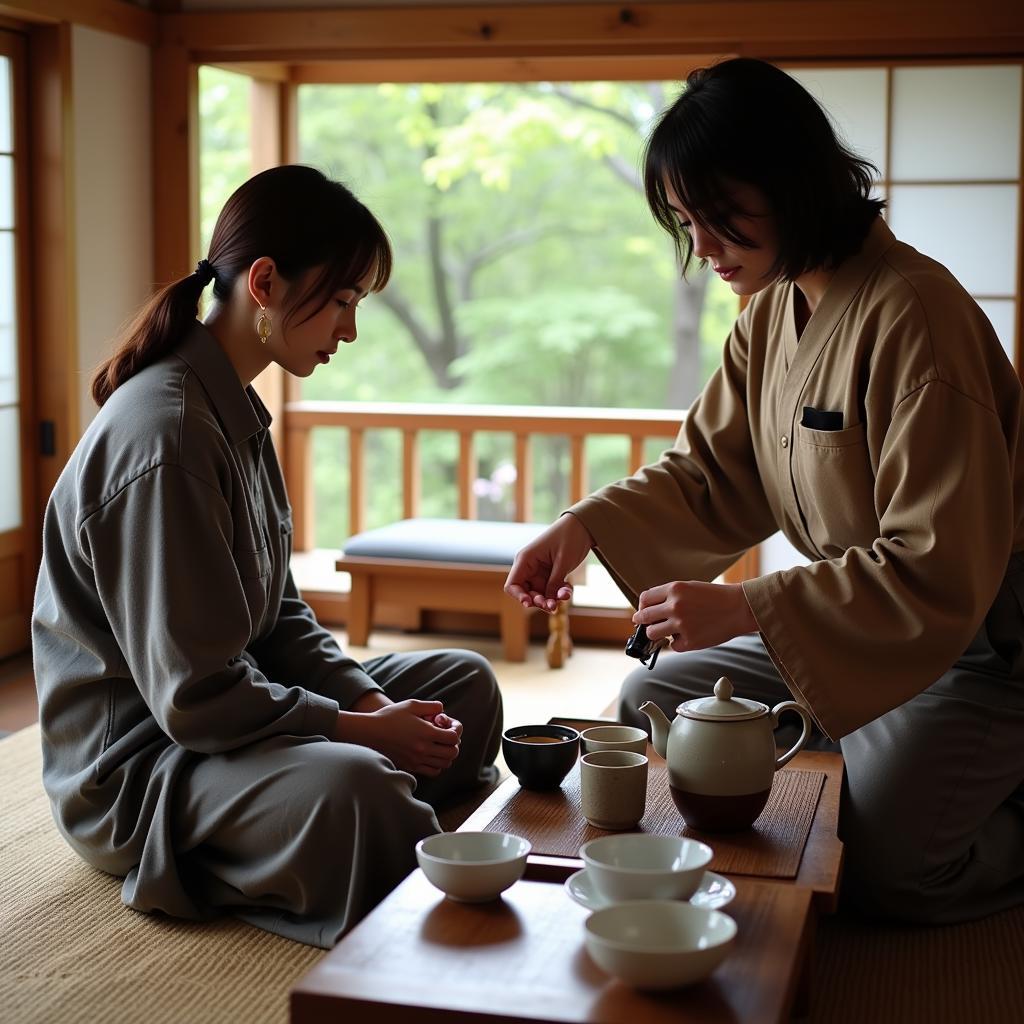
x=866, y=409
x=203, y=736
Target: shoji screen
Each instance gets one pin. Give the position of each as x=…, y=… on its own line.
x=10, y=416
x=954, y=178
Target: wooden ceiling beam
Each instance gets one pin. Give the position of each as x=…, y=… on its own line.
x=114, y=16
x=495, y=69
x=262, y=71
x=770, y=28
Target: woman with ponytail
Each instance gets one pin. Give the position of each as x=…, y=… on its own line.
x=203, y=737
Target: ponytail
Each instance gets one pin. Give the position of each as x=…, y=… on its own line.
x=158, y=326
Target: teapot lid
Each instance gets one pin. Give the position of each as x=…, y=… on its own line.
x=722, y=707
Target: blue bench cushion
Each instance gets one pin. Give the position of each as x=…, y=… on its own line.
x=476, y=541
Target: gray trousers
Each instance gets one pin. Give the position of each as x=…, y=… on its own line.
x=932, y=815
x=303, y=836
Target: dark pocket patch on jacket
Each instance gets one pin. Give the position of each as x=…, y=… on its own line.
x=821, y=419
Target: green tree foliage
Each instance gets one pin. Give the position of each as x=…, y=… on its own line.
x=528, y=271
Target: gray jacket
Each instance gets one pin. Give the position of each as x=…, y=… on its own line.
x=166, y=623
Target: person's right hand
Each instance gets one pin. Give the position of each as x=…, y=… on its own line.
x=405, y=732
x=538, y=574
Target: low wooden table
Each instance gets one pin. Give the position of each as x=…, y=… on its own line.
x=421, y=957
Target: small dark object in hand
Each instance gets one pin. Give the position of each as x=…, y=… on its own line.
x=638, y=646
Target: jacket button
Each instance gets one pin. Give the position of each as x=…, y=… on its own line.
x=785, y=441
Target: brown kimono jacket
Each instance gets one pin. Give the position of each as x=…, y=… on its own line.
x=910, y=509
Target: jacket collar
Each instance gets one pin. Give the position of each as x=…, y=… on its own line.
x=846, y=282
x=239, y=409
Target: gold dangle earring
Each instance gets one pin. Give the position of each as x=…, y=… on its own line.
x=264, y=328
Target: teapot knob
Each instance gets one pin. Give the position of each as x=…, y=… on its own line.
x=723, y=689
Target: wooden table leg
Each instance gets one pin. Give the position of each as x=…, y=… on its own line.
x=360, y=606
x=515, y=626
x=802, y=999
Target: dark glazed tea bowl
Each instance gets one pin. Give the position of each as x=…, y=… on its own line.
x=540, y=756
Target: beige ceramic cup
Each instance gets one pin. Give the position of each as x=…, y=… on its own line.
x=614, y=737
x=613, y=784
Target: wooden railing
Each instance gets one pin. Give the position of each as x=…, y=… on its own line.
x=467, y=421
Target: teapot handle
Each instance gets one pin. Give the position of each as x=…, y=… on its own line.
x=791, y=705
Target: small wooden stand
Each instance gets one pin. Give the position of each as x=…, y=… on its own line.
x=447, y=586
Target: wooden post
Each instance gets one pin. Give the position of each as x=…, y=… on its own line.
x=410, y=474
x=360, y=608
x=746, y=567
x=356, y=481
x=578, y=477
x=290, y=122
x=636, y=453
x=298, y=478
x=524, y=479
x=54, y=355
x=175, y=106
x=265, y=103
x=467, y=476
x=515, y=628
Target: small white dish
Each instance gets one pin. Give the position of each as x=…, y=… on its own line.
x=713, y=892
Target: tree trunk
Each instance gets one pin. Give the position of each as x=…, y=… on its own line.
x=684, y=381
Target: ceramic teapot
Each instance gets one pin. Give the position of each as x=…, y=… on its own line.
x=720, y=753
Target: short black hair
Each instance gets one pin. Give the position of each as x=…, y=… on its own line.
x=745, y=120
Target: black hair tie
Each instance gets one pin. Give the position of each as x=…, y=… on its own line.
x=205, y=272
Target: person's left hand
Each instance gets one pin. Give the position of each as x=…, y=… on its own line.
x=374, y=700
x=443, y=721
x=695, y=615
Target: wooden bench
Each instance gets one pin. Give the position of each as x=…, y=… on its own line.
x=446, y=565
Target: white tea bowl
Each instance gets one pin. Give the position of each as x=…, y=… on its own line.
x=638, y=866
x=472, y=867
x=655, y=944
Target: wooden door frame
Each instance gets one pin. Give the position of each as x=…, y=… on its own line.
x=54, y=294
x=21, y=545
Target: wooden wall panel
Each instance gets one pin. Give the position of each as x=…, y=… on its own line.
x=175, y=162
x=15, y=605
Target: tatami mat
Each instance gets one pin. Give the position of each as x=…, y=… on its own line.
x=964, y=974
x=70, y=952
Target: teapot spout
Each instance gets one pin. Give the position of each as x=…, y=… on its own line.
x=659, y=726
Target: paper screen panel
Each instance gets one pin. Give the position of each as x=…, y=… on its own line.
x=10, y=470
x=855, y=99
x=8, y=335
x=956, y=123
x=1001, y=313
x=971, y=229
